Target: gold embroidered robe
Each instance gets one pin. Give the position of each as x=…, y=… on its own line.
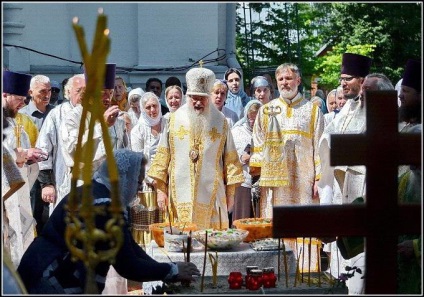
x=285, y=147
x=197, y=190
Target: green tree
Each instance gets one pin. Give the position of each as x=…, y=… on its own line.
x=390, y=33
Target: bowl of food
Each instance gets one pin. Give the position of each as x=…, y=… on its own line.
x=158, y=228
x=258, y=228
x=221, y=239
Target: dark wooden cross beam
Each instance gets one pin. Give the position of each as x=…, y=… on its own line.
x=381, y=149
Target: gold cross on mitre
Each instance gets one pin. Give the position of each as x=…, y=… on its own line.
x=201, y=63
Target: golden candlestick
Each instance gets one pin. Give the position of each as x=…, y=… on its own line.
x=81, y=234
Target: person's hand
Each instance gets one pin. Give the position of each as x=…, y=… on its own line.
x=111, y=114
x=186, y=270
x=36, y=155
x=48, y=194
x=162, y=199
x=21, y=156
x=245, y=158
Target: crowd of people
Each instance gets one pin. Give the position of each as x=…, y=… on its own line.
x=211, y=153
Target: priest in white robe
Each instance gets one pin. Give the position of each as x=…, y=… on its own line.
x=19, y=223
x=53, y=171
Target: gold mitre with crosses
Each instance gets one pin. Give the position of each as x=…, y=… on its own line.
x=200, y=81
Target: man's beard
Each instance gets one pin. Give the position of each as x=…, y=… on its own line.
x=8, y=112
x=288, y=94
x=199, y=121
x=408, y=113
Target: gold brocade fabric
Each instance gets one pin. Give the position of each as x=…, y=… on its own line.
x=198, y=190
x=285, y=147
x=29, y=127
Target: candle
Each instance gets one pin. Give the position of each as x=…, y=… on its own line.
x=214, y=263
x=204, y=261
x=309, y=260
x=235, y=280
x=285, y=265
x=170, y=225
x=188, y=246
x=248, y=272
x=255, y=280
x=279, y=258
x=297, y=267
x=268, y=277
x=220, y=221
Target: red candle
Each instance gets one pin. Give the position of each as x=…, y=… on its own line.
x=248, y=271
x=268, y=277
x=255, y=280
x=235, y=280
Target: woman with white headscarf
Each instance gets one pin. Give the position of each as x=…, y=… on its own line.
x=134, y=110
x=47, y=267
x=145, y=135
x=242, y=135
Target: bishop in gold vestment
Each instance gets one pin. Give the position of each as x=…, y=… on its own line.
x=198, y=171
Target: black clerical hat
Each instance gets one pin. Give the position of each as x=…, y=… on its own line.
x=109, y=76
x=412, y=75
x=355, y=65
x=16, y=83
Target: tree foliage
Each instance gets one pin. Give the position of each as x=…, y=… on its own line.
x=390, y=33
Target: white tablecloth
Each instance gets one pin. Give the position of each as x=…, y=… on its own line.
x=235, y=259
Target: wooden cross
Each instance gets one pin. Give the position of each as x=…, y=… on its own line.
x=381, y=149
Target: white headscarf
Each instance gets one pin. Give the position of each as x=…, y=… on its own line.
x=145, y=119
x=129, y=165
x=244, y=119
x=136, y=91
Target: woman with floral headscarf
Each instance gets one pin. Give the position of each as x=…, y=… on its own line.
x=47, y=267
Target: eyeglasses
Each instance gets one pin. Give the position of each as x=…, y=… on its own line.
x=346, y=78
x=54, y=90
